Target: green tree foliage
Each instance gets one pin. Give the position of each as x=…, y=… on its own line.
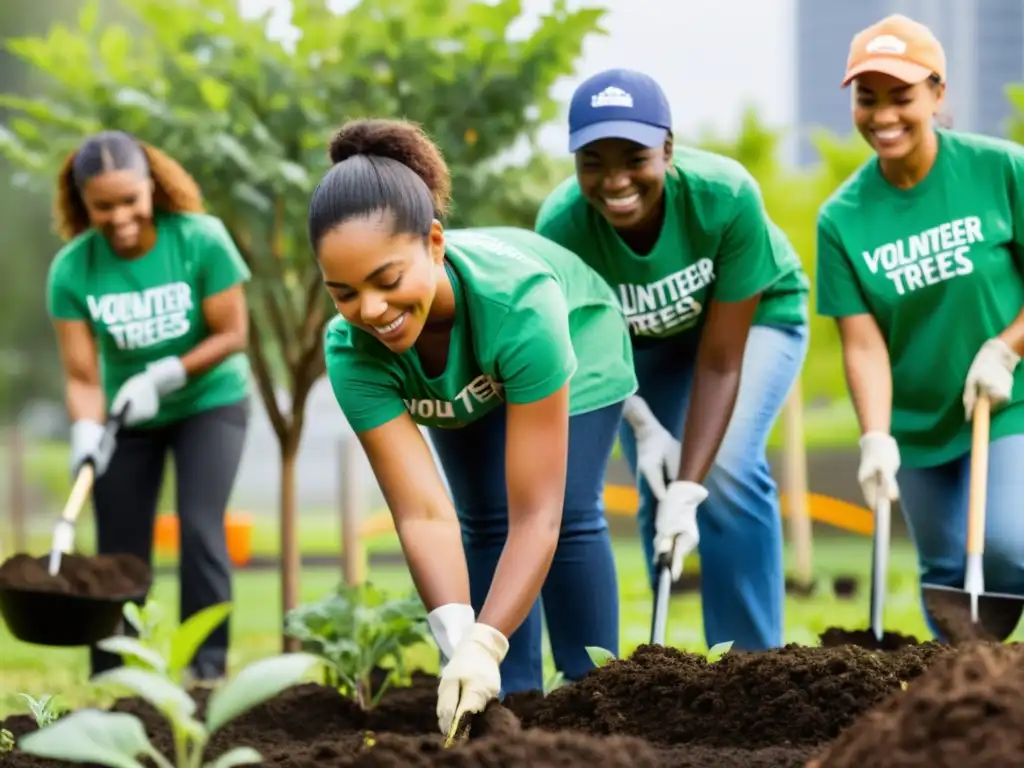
x=250, y=118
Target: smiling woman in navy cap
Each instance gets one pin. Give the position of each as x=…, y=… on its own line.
x=717, y=306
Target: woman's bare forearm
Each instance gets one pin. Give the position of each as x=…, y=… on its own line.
x=869, y=380
x=437, y=562
x=85, y=400
x=521, y=571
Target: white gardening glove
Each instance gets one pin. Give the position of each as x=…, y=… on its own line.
x=657, y=452
x=472, y=677
x=675, y=527
x=142, y=392
x=91, y=441
x=991, y=373
x=448, y=623
x=879, y=462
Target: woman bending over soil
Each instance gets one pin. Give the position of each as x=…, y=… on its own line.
x=148, y=303
x=921, y=261
x=516, y=357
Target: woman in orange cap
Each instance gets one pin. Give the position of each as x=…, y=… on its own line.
x=921, y=261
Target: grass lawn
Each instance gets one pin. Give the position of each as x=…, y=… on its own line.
x=256, y=622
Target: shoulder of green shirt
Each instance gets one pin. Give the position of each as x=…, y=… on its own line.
x=559, y=216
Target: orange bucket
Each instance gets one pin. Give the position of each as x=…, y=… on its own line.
x=237, y=531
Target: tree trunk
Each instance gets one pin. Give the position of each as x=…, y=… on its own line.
x=291, y=562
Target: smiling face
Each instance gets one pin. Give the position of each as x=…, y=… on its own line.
x=120, y=206
x=382, y=282
x=623, y=180
x=893, y=116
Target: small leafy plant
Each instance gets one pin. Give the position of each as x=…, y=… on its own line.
x=6, y=741
x=45, y=709
x=356, y=630
x=118, y=740
x=599, y=656
x=717, y=651
x=167, y=653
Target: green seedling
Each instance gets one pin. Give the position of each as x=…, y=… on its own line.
x=554, y=681
x=717, y=651
x=6, y=741
x=45, y=709
x=600, y=656
x=357, y=630
x=167, y=653
x=119, y=740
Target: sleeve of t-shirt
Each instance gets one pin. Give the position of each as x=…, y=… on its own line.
x=365, y=392
x=222, y=264
x=746, y=263
x=63, y=302
x=839, y=292
x=534, y=355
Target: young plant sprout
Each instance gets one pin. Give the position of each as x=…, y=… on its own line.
x=599, y=656
x=45, y=709
x=6, y=741
x=119, y=740
x=718, y=650
x=357, y=630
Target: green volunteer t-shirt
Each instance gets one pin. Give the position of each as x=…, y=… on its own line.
x=529, y=316
x=716, y=242
x=144, y=309
x=940, y=268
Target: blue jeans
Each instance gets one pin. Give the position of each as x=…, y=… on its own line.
x=742, y=581
x=580, y=596
x=934, y=504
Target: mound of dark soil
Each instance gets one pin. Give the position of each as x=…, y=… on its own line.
x=660, y=707
x=835, y=637
x=114, y=576
x=790, y=696
x=967, y=710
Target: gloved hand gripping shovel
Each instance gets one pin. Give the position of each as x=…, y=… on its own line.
x=997, y=614
x=64, y=530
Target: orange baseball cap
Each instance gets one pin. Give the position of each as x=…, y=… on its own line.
x=897, y=46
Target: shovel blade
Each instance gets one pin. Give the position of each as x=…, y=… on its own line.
x=662, y=593
x=950, y=608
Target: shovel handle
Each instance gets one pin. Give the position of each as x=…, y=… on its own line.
x=978, y=494
x=79, y=492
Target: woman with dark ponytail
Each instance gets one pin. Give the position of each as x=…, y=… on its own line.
x=148, y=304
x=516, y=357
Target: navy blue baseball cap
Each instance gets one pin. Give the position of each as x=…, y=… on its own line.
x=619, y=104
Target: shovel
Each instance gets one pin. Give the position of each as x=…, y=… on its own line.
x=662, y=593
x=64, y=531
x=58, y=618
x=880, y=565
x=997, y=614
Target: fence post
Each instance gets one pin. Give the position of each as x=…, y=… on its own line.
x=353, y=510
x=795, y=474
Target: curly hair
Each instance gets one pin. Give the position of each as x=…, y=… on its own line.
x=381, y=165
x=174, y=189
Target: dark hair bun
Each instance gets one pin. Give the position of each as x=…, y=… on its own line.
x=398, y=140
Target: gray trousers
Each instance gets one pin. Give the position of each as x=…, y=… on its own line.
x=207, y=450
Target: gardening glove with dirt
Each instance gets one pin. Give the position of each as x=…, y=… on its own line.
x=472, y=677
x=448, y=623
x=879, y=462
x=91, y=441
x=991, y=374
x=657, y=452
x=675, y=527
x=142, y=392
